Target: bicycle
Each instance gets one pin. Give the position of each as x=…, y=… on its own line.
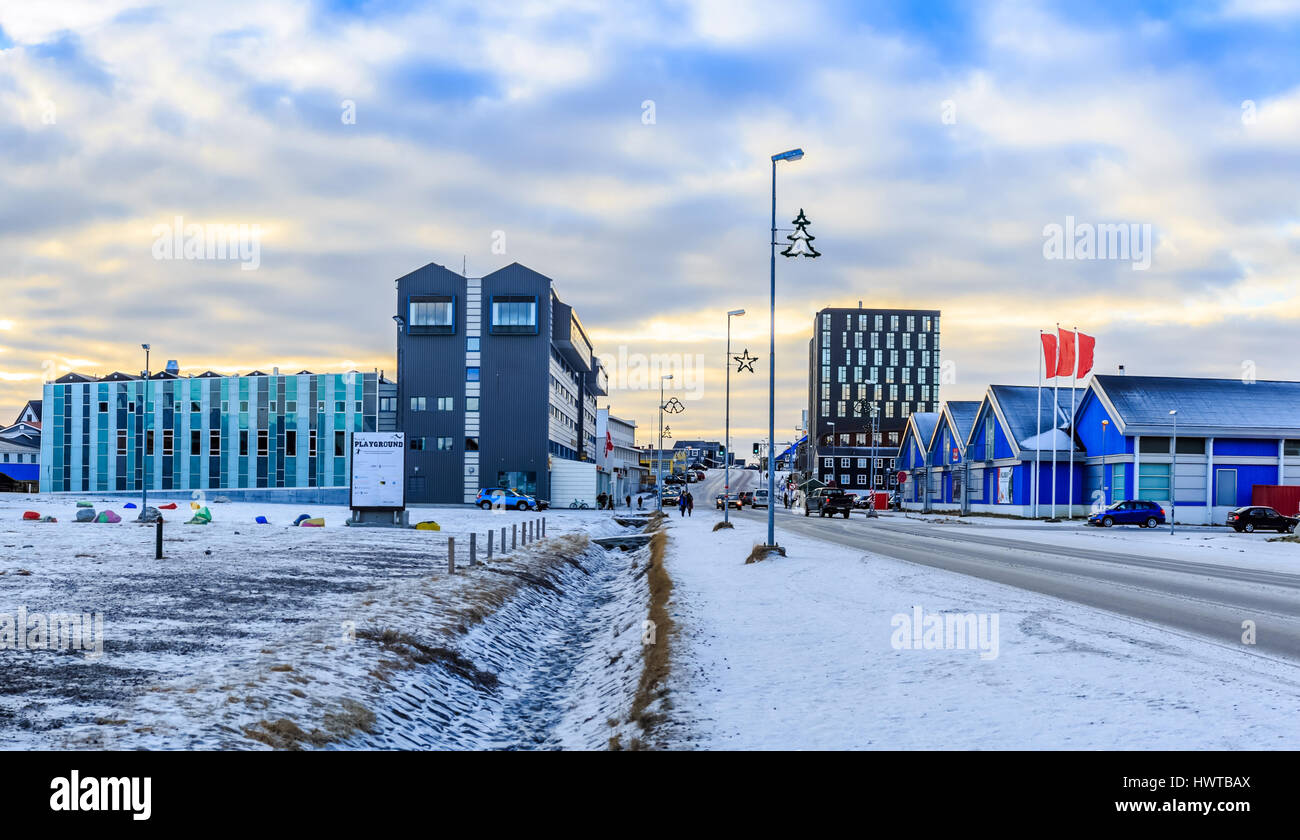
x=578, y=504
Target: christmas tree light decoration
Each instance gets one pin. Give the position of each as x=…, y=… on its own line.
x=801, y=240
x=745, y=362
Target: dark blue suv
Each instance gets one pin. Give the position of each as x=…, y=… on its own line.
x=1131, y=512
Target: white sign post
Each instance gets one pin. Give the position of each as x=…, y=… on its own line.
x=378, y=473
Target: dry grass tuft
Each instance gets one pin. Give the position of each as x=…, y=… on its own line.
x=761, y=552
x=413, y=652
x=723, y=524
x=655, y=671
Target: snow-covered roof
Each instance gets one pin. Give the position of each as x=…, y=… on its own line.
x=1052, y=439
x=1019, y=405
x=1141, y=405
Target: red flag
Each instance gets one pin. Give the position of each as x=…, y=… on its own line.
x=1049, y=354
x=1086, y=343
x=609, y=443
x=1065, y=364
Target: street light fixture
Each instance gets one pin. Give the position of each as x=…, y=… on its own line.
x=790, y=155
x=1105, y=482
x=726, y=463
x=1173, y=472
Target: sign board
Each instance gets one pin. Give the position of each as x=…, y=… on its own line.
x=902, y=476
x=378, y=471
x=1004, y=485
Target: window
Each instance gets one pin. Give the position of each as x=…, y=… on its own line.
x=1291, y=447
x=311, y=443
x=214, y=442
x=471, y=444
x=472, y=344
x=418, y=403
x=845, y=462
x=446, y=403
x=432, y=314
x=103, y=408
x=1153, y=482
x=195, y=441
x=444, y=444
x=291, y=406
x=388, y=404
x=272, y=407
x=167, y=442
x=1154, y=445
x=1191, y=446
x=471, y=374
x=417, y=444
x=243, y=406
x=290, y=443
x=828, y=462
x=340, y=444
x=471, y=403
x=261, y=442
x=243, y=443
x=862, y=479
x=514, y=314
x=121, y=441
x=340, y=406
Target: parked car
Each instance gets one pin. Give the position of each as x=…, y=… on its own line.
x=828, y=501
x=747, y=498
x=761, y=498
x=1259, y=518
x=699, y=475
x=505, y=497
x=732, y=501
x=896, y=500
x=1129, y=512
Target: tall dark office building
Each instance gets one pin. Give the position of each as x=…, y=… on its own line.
x=497, y=385
x=857, y=358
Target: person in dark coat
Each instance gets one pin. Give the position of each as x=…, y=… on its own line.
x=629, y=501
x=690, y=505
x=681, y=504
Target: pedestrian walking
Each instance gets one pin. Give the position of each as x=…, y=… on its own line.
x=640, y=503
x=690, y=504
x=629, y=501
x=681, y=505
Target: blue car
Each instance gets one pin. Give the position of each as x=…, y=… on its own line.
x=1130, y=512
x=502, y=497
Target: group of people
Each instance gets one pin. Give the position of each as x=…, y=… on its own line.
x=686, y=504
x=607, y=501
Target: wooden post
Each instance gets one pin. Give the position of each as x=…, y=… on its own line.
x=543, y=526
x=514, y=535
x=451, y=555
x=473, y=549
x=157, y=545
x=489, y=554
x=503, y=539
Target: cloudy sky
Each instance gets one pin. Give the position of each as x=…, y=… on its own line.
x=624, y=151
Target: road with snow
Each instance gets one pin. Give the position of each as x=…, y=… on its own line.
x=1208, y=599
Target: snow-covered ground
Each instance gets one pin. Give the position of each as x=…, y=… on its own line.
x=1197, y=544
x=799, y=652
x=249, y=635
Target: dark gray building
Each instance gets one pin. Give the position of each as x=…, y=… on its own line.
x=858, y=358
x=496, y=382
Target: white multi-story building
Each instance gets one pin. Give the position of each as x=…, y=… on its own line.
x=618, y=461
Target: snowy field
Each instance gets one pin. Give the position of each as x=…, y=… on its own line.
x=248, y=636
x=798, y=652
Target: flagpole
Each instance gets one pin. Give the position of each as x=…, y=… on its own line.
x=1056, y=390
x=1074, y=368
x=1038, y=428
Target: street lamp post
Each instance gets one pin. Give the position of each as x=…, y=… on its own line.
x=792, y=154
x=1173, y=472
x=659, y=456
x=1105, y=481
x=726, y=464
x=874, y=412
x=144, y=419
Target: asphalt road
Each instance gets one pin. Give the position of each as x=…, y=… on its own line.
x=1209, y=600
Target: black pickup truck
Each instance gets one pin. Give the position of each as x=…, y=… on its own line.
x=828, y=501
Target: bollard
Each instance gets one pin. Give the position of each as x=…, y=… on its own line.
x=543, y=526
x=514, y=536
x=473, y=549
x=157, y=545
x=451, y=555
x=489, y=554
x=503, y=539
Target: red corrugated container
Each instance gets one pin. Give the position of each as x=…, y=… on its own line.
x=881, y=500
x=1283, y=498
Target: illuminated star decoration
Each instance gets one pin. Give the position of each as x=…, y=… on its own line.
x=745, y=362
x=674, y=406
